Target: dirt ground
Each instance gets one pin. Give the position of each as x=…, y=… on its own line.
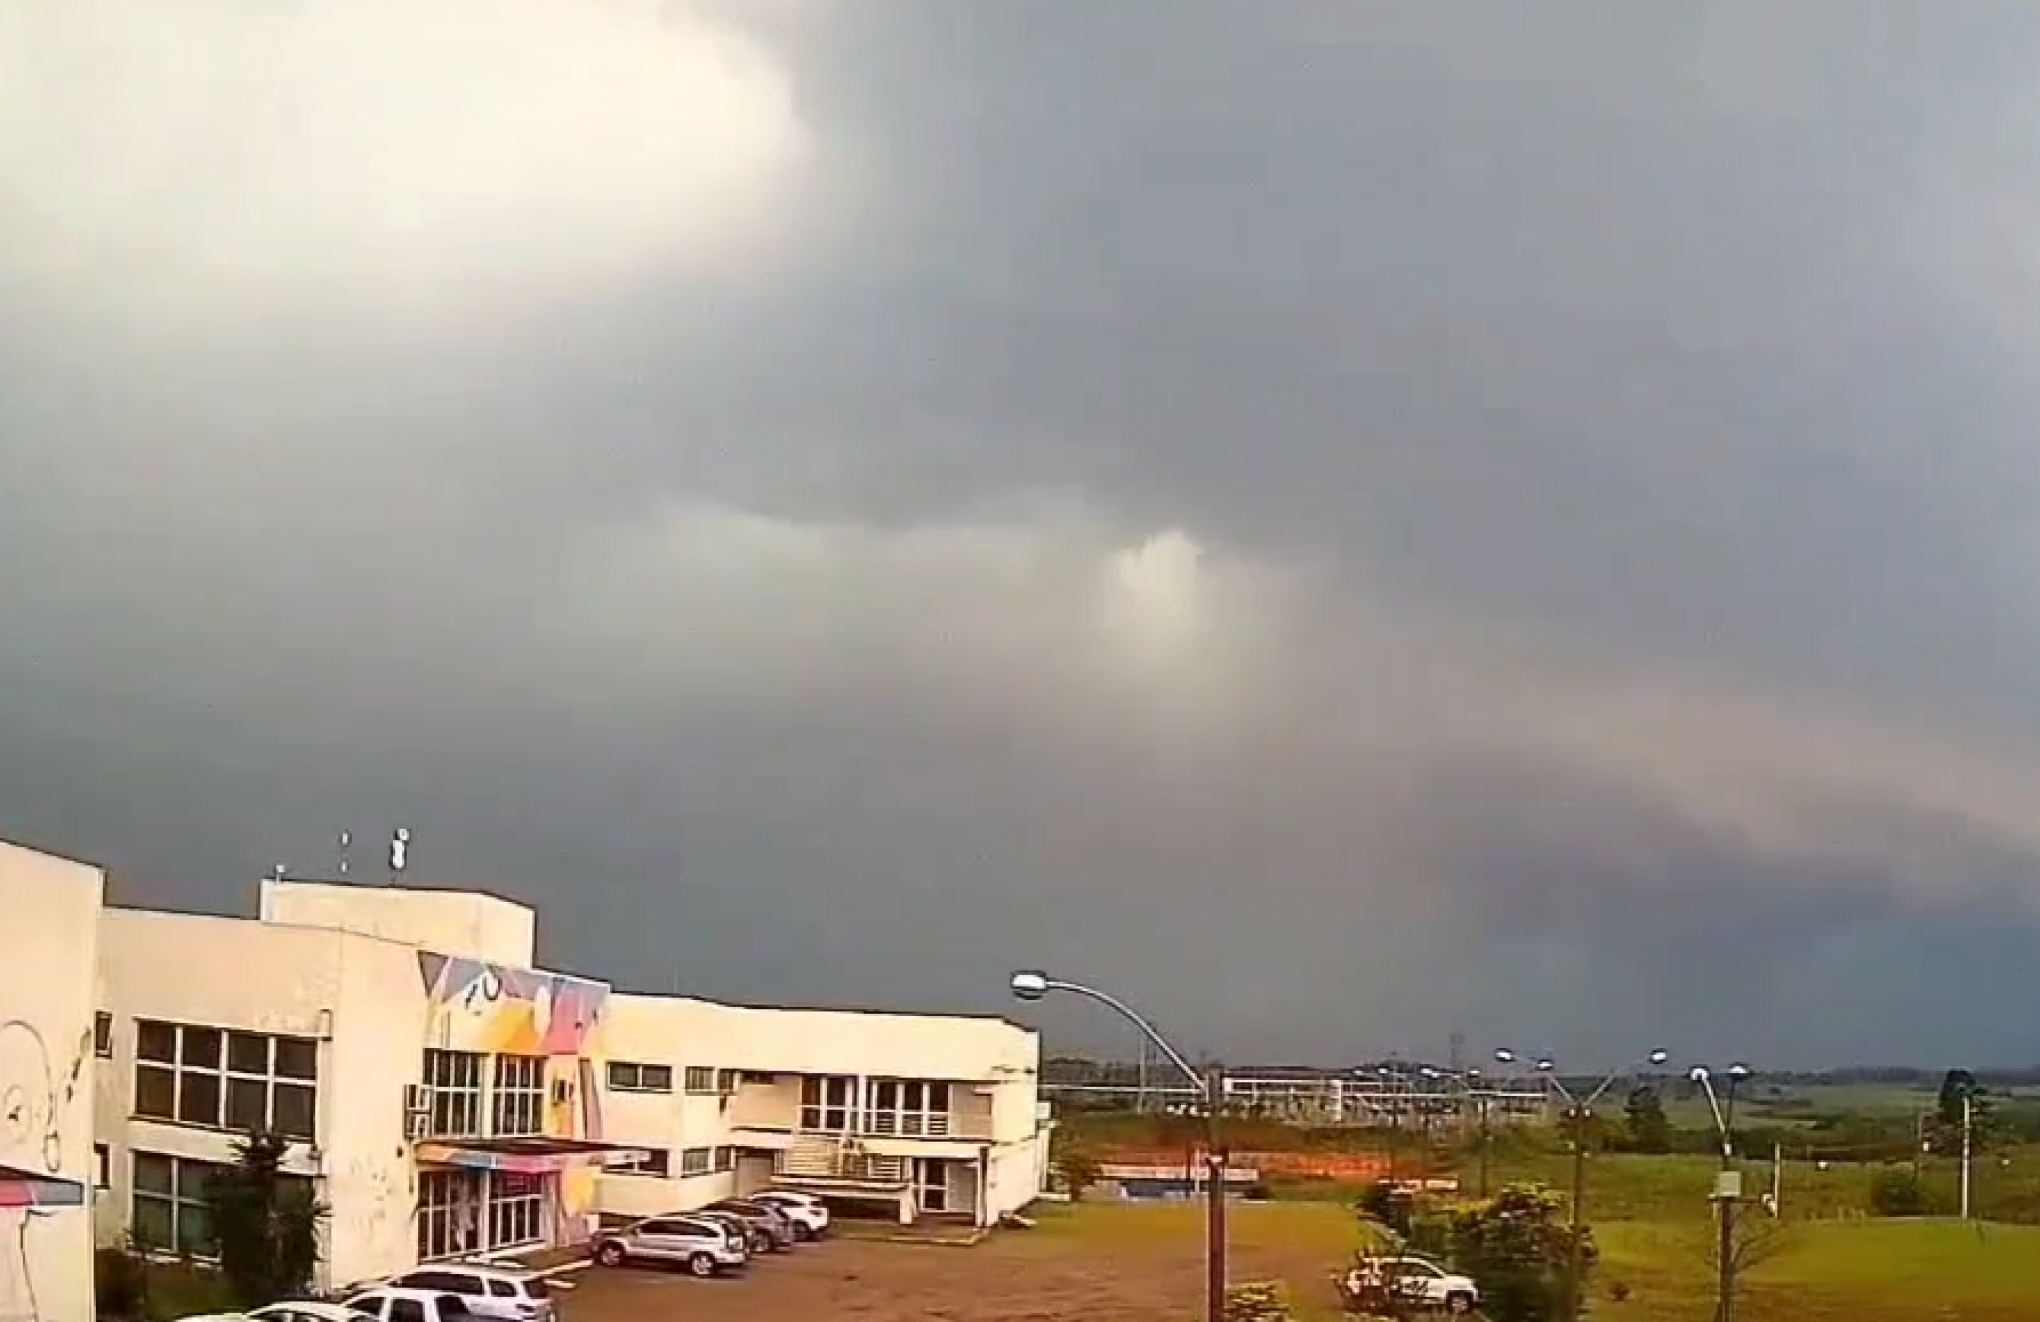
x=1016, y=1276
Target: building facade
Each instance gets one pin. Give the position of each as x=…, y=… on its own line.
x=47, y=1163
x=444, y=1097
x=909, y=1115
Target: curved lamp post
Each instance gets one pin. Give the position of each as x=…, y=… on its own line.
x=1727, y=1185
x=1579, y=1114
x=1034, y=985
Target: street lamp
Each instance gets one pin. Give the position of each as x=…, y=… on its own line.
x=1579, y=1114
x=1034, y=985
x=1728, y=1184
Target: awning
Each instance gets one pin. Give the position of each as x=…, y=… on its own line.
x=19, y=1188
x=530, y=1156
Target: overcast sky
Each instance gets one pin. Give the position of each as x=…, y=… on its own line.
x=1339, y=521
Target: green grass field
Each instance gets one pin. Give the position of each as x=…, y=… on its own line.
x=1821, y=1271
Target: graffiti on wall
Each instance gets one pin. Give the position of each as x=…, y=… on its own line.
x=35, y=1091
x=478, y=1006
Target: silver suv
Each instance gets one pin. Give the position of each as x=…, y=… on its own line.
x=706, y=1248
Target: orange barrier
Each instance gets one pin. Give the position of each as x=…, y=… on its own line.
x=1347, y=1167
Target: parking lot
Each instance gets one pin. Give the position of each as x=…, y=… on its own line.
x=1102, y=1268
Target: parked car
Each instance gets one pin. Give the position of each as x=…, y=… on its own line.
x=705, y=1246
x=762, y=1217
x=809, y=1214
x=307, y=1310
x=1410, y=1281
x=493, y=1292
x=755, y=1241
x=392, y=1303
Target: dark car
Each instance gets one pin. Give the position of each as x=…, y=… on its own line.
x=761, y=1217
x=755, y=1238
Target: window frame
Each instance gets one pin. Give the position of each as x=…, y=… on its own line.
x=517, y=1096
x=225, y=1070
x=701, y=1081
x=454, y=1094
x=638, y=1076
x=696, y=1162
x=828, y=1103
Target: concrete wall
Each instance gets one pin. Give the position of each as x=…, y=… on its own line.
x=48, y=944
x=466, y=923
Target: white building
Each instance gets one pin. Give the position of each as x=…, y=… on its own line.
x=48, y=936
x=922, y=1115
x=448, y=1098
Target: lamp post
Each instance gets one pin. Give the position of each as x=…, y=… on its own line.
x=1579, y=1114
x=1728, y=1184
x=1033, y=985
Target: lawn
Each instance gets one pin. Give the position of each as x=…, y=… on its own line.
x=1821, y=1271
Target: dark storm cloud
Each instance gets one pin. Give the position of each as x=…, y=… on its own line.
x=1347, y=521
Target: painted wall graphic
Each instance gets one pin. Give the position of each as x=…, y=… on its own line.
x=477, y=1006
x=37, y=1086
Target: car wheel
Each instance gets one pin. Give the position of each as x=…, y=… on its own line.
x=610, y=1254
x=761, y=1243
x=802, y=1232
x=1459, y=1304
x=701, y=1265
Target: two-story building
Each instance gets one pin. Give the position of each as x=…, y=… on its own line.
x=921, y=1115
x=445, y=1097
x=444, y=1094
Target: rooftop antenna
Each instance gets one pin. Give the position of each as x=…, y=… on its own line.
x=346, y=840
x=400, y=853
x=276, y=873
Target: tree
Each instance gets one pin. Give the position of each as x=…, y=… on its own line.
x=266, y=1225
x=1650, y=1130
x=1899, y=1193
x=1519, y=1248
x=1753, y=1241
x=1074, y=1163
x=1955, y=1085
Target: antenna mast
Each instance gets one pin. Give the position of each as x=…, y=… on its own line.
x=400, y=853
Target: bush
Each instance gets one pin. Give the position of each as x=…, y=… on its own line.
x=120, y=1283
x=1898, y=1193
x=1257, y=1301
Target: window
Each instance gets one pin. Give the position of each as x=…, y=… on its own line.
x=696, y=1161
x=825, y=1102
x=725, y=1160
x=217, y=1078
x=407, y=1310
x=102, y=1035
x=701, y=1080
x=519, y=1103
x=628, y=1076
x=453, y=1090
x=657, y=1162
x=447, y=1212
x=516, y=1209
x=912, y=1108
x=169, y=1209
x=762, y=1079
x=102, y=1167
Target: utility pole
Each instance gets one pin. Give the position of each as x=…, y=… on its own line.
x=1777, y=1178
x=1486, y=1142
x=1576, y=1269
x=1919, y=1142
x=1214, y=1193
x=1967, y=1111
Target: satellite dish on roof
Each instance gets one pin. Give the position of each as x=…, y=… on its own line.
x=400, y=850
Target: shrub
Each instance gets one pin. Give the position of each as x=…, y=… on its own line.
x=1898, y=1193
x=1258, y=1301
x=120, y=1283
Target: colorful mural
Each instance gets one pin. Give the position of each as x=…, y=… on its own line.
x=473, y=1005
x=477, y=1006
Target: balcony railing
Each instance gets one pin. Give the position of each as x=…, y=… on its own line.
x=907, y=1124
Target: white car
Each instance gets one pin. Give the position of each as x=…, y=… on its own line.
x=391, y=1303
x=307, y=1310
x=809, y=1214
x=1416, y=1280
x=494, y=1292
x=703, y=1246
